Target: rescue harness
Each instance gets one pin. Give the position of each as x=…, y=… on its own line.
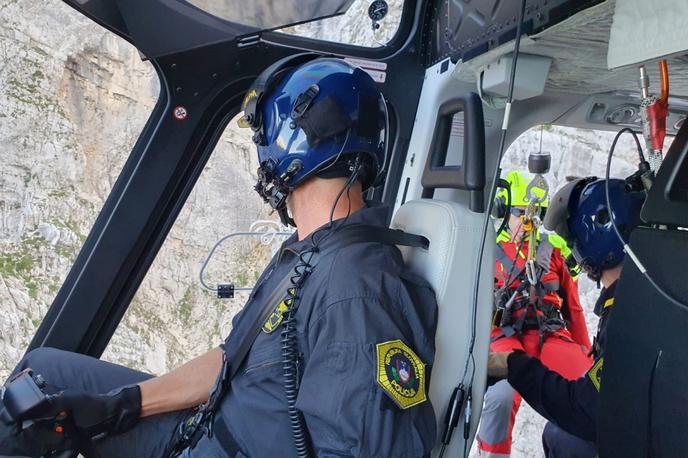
x=537, y=313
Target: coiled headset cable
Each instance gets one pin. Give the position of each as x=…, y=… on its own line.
x=291, y=357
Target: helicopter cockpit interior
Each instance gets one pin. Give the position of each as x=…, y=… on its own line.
x=462, y=80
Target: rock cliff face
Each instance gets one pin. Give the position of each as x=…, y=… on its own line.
x=73, y=99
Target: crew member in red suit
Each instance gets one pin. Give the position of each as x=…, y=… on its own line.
x=545, y=319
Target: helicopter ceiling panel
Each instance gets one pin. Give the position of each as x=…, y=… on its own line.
x=464, y=29
x=164, y=27
x=578, y=47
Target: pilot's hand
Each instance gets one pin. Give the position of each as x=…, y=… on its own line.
x=497, y=368
x=96, y=414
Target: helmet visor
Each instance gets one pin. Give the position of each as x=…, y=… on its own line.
x=556, y=218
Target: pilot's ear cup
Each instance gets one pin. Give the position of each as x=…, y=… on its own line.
x=499, y=207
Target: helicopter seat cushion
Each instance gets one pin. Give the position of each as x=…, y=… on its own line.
x=449, y=265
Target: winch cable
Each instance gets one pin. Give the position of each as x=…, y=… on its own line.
x=470, y=360
x=631, y=254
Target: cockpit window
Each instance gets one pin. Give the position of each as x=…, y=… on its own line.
x=173, y=316
x=268, y=15
x=366, y=23
x=74, y=99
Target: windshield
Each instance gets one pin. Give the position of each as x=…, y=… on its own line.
x=267, y=15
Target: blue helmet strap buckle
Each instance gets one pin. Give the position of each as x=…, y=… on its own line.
x=303, y=101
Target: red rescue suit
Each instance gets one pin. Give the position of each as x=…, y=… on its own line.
x=549, y=325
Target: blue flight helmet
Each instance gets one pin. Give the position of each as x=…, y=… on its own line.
x=314, y=117
x=578, y=212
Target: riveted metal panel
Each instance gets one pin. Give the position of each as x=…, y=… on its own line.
x=464, y=29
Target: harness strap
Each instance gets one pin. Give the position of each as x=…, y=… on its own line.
x=547, y=318
x=551, y=286
x=543, y=259
x=543, y=255
x=504, y=259
x=347, y=235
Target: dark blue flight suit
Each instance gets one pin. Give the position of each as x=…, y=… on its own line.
x=365, y=330
x=571, y=406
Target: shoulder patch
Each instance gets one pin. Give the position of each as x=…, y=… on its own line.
x=595, y=374
x=401, y=373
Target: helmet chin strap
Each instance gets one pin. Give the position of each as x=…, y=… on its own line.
x=286, y=219
x=277, y=199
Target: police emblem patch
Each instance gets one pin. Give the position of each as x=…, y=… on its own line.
x=401, y=373
x=595, y=374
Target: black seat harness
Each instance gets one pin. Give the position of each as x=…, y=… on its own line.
x=202, y=421
x=538, y=313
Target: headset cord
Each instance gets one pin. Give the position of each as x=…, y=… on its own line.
x=289, y=344
x=467, y=379
x=290, y=351
x=631, y=254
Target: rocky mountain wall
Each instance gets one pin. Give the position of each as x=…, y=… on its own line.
x=74, y=100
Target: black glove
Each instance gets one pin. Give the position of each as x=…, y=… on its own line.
x=96, y=414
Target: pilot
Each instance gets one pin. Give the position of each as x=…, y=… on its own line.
x=341, y=364
x=580, y=215
x=544, y=320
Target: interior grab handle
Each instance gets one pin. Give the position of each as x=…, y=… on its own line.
x=470, y=175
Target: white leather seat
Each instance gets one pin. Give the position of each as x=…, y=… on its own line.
x=449, y=265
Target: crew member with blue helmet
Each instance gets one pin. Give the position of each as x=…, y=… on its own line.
x=579, y=213
x=339, y=362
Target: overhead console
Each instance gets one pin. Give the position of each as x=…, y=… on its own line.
x=579, y=53
x=618, y=109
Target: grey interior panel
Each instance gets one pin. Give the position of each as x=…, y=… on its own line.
x=578, y=47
